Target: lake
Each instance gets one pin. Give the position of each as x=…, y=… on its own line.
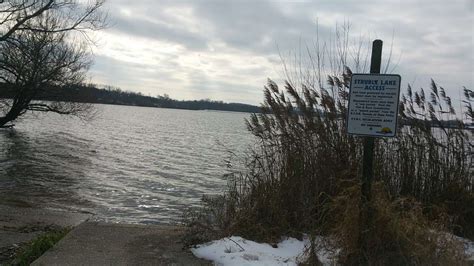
x=129, y=164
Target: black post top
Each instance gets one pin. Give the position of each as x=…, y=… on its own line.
x=376, y=59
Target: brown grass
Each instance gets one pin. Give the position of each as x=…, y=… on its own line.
x=399, y=234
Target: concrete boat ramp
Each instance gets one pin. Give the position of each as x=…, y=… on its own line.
x=95, y=243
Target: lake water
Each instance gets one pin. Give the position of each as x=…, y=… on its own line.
x=129, y=164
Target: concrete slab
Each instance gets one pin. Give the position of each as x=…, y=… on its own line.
x=96, y=243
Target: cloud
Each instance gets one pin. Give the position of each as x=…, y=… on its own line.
x=227, y=49
x=142, y=26
x=158, y=67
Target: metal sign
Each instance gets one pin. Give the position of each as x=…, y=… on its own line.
x=373, y=105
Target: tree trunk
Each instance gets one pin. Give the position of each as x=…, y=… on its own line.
x=3, y=121
x=9, y=117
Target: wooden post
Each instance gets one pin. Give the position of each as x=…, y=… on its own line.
x=367, y=168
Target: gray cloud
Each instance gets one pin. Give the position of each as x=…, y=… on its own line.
x=155, y=30
x=221, y=39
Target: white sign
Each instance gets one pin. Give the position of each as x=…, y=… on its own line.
x=373, y=105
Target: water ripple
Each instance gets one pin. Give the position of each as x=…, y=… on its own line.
x=131, y=164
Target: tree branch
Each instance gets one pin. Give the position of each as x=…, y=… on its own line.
x=22, y=21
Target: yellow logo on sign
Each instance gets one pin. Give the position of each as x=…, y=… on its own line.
x=385, y=130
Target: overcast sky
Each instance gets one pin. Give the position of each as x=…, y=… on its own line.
x=226, y=50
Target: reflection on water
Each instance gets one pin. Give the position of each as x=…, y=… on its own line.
x=37, y=170
x=131, y=164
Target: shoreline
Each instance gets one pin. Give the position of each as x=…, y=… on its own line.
x=91, y=241
x=21, y=223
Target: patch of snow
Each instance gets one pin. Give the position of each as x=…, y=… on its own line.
x=468, y=248
x=466, y=243
x=238, y=251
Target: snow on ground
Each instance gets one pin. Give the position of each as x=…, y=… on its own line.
x=238, y=251
x=468, y=247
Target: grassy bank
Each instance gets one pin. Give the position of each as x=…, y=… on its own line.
x=32, y=250
x=303, y=176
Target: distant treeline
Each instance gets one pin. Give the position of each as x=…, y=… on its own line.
x=437, y=123
x=110, y=95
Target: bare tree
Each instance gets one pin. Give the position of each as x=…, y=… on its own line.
x=20, y=15
x=40, y=50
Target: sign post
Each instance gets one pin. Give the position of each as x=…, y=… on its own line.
x=372, y=112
